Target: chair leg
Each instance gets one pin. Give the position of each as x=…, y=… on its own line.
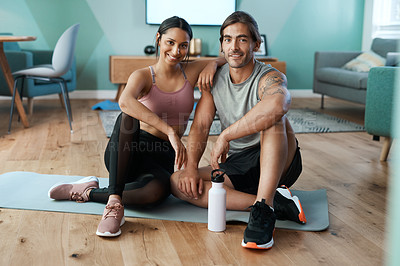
x=68, y=101
x=385, y=149
x=66, y=104
x=21, y=97
x=322, y=101
x=375, y=138
x=60, y=96
x=22, y=88
x=30, y=105
x=12, y=105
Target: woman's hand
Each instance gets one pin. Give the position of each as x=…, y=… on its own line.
x=206, y=77
x=180, y=150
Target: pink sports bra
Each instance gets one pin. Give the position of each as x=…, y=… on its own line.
x=172, y=107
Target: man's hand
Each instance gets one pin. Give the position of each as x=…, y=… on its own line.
x=190, y=183
x=220, y=150
x=205, y=80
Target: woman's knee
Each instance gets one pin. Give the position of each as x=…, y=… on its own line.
x=128, y=124
x=174, y=183
x=147, y=194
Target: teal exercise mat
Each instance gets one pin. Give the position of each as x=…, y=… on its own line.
x=28, y=191
x=106, y=105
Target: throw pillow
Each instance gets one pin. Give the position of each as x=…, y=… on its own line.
x=364, y=62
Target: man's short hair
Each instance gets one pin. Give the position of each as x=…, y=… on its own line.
x=245, y=18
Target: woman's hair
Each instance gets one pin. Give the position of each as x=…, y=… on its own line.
x=173, y=22
x=241, y=17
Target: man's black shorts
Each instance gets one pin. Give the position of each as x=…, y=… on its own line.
x=243, y=169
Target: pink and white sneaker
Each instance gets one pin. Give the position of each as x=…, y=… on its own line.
x=113, y=218
x=75, y=191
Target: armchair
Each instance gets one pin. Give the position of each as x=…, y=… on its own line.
x=379, y=104
x=22, y=59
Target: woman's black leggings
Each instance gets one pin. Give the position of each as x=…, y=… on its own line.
x=139, y=165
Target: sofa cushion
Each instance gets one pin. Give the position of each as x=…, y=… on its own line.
x=343, y=77
x=364, y=62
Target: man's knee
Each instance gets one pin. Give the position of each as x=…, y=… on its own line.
x=278, y=128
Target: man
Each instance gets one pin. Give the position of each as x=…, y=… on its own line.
x=251, y=99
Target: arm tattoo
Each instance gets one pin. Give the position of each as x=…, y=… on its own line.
x=272, y=85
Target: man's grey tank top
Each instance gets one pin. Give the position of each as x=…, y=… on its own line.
x=233, y=101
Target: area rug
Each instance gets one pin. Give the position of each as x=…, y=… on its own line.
x=309, y=121
x=302, y=121
x=28, y=191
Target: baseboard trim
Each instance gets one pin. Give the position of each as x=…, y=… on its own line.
x=93, y=94
x=110, y=94
x=79, y=94
x=304, y=94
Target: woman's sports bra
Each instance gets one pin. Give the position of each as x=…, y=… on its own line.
x=172, y=107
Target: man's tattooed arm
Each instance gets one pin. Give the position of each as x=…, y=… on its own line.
x=272, y=83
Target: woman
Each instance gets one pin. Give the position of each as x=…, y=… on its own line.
x=146, y=140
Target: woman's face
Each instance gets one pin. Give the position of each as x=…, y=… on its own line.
x=174, y=45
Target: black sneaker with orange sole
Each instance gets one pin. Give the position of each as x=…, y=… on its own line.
x=261, y=226
x=288, y=207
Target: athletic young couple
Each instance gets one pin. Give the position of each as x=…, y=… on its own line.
x=251, y=99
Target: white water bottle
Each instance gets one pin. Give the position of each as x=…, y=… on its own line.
x=217, y=202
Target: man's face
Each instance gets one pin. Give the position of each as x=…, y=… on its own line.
x=238, y=45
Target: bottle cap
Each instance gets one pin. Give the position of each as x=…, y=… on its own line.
x=217, y=175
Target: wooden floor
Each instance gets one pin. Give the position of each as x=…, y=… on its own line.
x=346, y=164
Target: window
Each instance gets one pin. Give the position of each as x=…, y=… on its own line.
x=386, y=19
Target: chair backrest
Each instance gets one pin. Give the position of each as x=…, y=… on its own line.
x=63, y=54
x=10, y=46
x=383, y=46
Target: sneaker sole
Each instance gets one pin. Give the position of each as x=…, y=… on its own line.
x=108, y=234
x=302, y=216
x=80, y=181
x=288, y=194
x=254, y=245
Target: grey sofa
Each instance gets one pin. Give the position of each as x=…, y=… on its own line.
x=331, y=80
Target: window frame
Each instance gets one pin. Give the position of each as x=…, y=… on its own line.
x=384, y=25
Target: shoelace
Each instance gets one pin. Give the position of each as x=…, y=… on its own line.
x=279, y=210
x=255, y=214
x=259, y=214
x=77, y=197
x=112, y=210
